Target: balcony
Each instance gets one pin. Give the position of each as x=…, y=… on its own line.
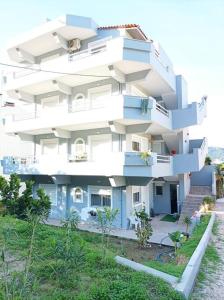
x=192, y=115
x=131, y=59
x=128, y=164
x=124, y=109
x=192, y=161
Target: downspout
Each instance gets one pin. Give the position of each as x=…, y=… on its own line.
x=121, y=208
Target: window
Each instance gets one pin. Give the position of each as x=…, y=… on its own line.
x=135, y=146
x=139, y=143
x=51, y=191
x=50, y=102
x=136, y=195
x=49, y=147
x=77, y=194
x=159, y=190
x=79, y=147
x=79, y=102
x=99, y=95
x=100, y=200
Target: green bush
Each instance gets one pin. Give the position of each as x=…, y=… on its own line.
x=144, y=230
x=18, y=205
x=208, y=203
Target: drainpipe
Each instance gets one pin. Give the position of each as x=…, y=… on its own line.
x=121, y=209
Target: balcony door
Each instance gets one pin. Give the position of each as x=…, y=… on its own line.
x=100, y=146
x=157, y=147
x=99, y=96
x=49, y=147
x=50, y=106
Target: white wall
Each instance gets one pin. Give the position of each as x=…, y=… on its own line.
x=13, y=146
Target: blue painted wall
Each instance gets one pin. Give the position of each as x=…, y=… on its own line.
x=203, y=177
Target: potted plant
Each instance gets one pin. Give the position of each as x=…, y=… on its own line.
x=145, y=155
x=187, y=222
x=173, y=152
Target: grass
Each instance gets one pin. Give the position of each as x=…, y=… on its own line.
x=211, y=259
x=98, y=278
x=176, y=266
x=168, y=218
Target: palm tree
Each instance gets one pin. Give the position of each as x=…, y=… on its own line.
x=208, y=161
x=219, y=180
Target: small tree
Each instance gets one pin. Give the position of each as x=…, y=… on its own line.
x=187, y=222
x=208, y=161
x=144, y=229
x=105, y=219
x=176, y=237
x=9, y=192
x=69, y=251
x=19, y=205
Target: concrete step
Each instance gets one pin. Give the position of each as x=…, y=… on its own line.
x=193, y=201
x=201, y=190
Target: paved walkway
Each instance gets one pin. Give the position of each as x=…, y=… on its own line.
x=160, y=230
x=213, y=286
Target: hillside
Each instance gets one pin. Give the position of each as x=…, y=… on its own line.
x=216, y=153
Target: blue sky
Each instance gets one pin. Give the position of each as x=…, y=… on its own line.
x=190, y=31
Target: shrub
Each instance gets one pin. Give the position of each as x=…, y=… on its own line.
x=208, y=203
x=19, y=205
x=177, y=238
x=144, y=229
x=105, y=219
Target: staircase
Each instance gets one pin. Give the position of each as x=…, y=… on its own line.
x=194, y=200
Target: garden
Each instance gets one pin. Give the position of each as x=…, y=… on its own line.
x=39, y=261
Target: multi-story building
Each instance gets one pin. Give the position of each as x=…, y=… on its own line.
x=96, y=100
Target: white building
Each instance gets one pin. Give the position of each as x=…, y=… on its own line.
x=96, y=100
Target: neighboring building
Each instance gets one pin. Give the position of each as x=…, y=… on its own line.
x=96, y=98
x=10, y=145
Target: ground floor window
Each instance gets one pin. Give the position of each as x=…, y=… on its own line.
x=100, y=196
x=159, y=190
x=136, y=195
x=77, y=194
x=100, y=200
x=51, y=191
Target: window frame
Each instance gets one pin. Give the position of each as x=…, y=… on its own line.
x=73, y=191
x=76, y=142
x=136, y=190
x=52, y=140
x=101, y=191
x=55, y=98
x=158, y=186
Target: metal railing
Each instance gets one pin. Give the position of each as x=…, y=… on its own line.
x=162, y=109
x=23, y=160
x=93, y=48
x=163, y=159
x=203, y=102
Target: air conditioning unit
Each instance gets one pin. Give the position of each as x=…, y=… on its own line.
x=74, y=45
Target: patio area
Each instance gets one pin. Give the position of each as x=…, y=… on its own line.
x=159, y=236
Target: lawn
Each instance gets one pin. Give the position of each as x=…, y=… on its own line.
x=87, y=274
x=177, y=266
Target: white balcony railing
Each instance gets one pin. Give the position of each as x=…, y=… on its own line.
x=93, y=48
x=162, y=109
x=87, y=104
x=163, y=159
